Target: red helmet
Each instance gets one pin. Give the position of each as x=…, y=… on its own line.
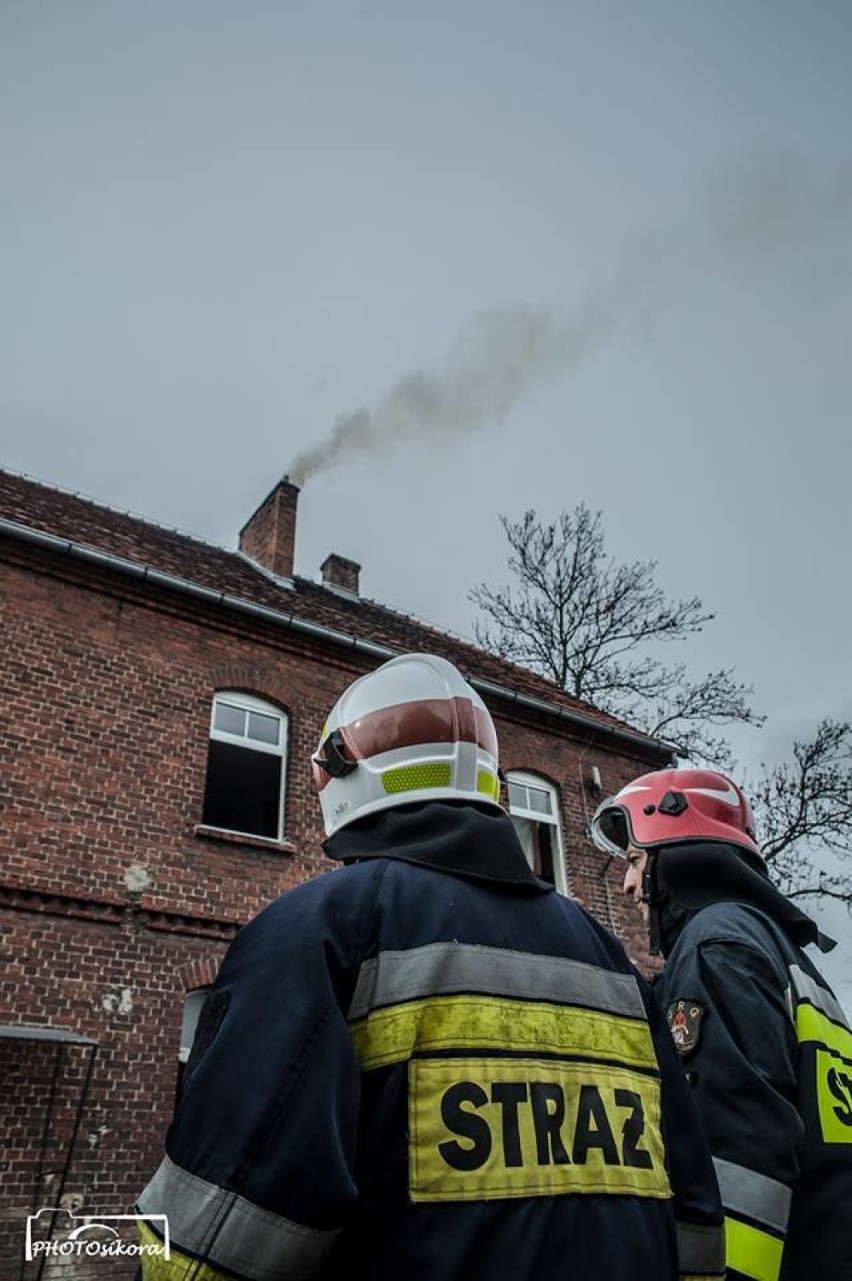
x=672, y=806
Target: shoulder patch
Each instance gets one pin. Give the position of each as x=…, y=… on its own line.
x=684, y=1019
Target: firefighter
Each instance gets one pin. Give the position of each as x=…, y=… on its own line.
x=765, y=1044
x=427, y=1065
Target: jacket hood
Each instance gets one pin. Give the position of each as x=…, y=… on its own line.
x=698, y=873
x=672, y=920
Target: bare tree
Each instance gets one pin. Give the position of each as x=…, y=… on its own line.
x=578, y=616
x=804, y=812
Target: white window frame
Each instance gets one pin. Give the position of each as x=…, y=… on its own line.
x=523, y=778
x=251, y=703
x=193, y=1002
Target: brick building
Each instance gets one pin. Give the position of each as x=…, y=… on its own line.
x=161, y=701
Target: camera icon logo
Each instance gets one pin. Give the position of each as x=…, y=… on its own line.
x=95, y=1235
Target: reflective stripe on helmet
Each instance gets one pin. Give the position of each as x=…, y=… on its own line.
x=433, y=720
x=408, y=778
x=488, y=784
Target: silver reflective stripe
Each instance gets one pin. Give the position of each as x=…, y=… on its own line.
x=700, y=1248
x=808, y=990
x=225, y=1229
x=441, y=968
x=765, y=1200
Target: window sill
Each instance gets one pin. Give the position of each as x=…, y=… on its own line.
x=243, y=838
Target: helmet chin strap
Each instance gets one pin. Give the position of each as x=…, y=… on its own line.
x=652, y=898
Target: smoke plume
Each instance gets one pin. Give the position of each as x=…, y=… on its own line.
x=772, y=226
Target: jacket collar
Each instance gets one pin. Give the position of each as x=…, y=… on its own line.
x=461, y=839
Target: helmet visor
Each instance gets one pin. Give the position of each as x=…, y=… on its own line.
x=610, y=832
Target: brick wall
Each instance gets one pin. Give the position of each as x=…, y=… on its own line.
x=593, y=879
x=104, y=746
x=121, y=985
x=112, y=905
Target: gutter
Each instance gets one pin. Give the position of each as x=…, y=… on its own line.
x=144, y=573
x=661, y=747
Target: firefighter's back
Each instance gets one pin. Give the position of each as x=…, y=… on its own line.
x=510, y=1116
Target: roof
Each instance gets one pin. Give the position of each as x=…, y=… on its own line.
x=81, y=521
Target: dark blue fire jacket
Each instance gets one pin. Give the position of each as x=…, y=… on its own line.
x=769, y=1053
x=408, y=1074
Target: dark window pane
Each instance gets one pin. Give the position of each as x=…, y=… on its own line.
x=543, y=865
x=538, y=845
x=525, y=830
x=263, y=728
x=230, y=719
x=243, y=792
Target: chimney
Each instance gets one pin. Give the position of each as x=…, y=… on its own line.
x=339, y=572
x=269, y=536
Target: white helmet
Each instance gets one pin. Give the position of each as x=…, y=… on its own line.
x=413, y=730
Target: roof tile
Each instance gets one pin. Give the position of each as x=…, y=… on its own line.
x=83, y=521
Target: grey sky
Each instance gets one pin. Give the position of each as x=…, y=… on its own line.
x=226, y=225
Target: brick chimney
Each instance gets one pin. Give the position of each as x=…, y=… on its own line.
x=337, y=571
x=269, y=536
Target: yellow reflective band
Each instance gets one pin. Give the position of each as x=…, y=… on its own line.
x=834, y=1096
x=178, y=1267
x=488, y=784
x=484, y=1128
x=466, y=1022
x=812, y=1025
x=411, y=778
x=754, y=1253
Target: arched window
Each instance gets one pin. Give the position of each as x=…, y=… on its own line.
x=246, y=766
x=534, y=810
